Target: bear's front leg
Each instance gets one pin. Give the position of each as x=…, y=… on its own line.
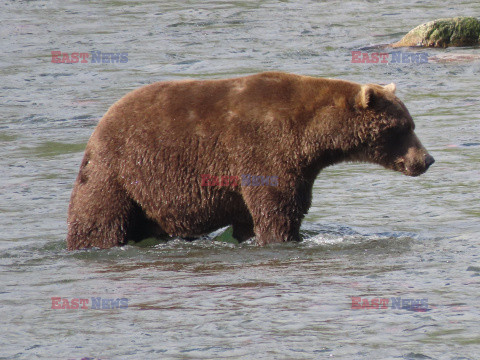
x=276, y=228
x=276, y=216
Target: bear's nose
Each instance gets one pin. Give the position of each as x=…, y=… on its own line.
x=429, y=160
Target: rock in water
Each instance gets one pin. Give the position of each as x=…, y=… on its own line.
x=458, y=31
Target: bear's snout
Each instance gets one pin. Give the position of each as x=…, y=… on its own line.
x=416, y=162
x=429, y=160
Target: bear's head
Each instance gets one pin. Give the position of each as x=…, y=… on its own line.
x=385, y=131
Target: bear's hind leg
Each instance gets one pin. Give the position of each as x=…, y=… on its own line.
x=99, y=211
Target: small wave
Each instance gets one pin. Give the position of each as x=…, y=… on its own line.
x=343, y=238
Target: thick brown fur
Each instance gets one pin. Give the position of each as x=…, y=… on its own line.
x=141, y=173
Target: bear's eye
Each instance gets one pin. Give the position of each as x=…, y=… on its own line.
x=408, y=126
x=395, y=134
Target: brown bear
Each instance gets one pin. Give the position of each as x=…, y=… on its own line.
x=147, y=166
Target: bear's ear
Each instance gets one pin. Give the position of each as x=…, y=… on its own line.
x=365, y=97
x=390, y=88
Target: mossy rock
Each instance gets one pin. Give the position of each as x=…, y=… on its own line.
x=458, y=31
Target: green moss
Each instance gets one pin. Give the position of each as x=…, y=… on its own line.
x=458, y=31
x=466, y=32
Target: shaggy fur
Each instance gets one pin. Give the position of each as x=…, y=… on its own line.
x=142, y=170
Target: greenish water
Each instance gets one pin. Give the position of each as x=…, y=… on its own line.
x=370, y=233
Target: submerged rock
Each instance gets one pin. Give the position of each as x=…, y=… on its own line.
x=458, y=31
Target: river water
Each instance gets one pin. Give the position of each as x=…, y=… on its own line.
x=370, y=233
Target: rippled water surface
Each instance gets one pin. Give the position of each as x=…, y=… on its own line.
x=370, y=233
